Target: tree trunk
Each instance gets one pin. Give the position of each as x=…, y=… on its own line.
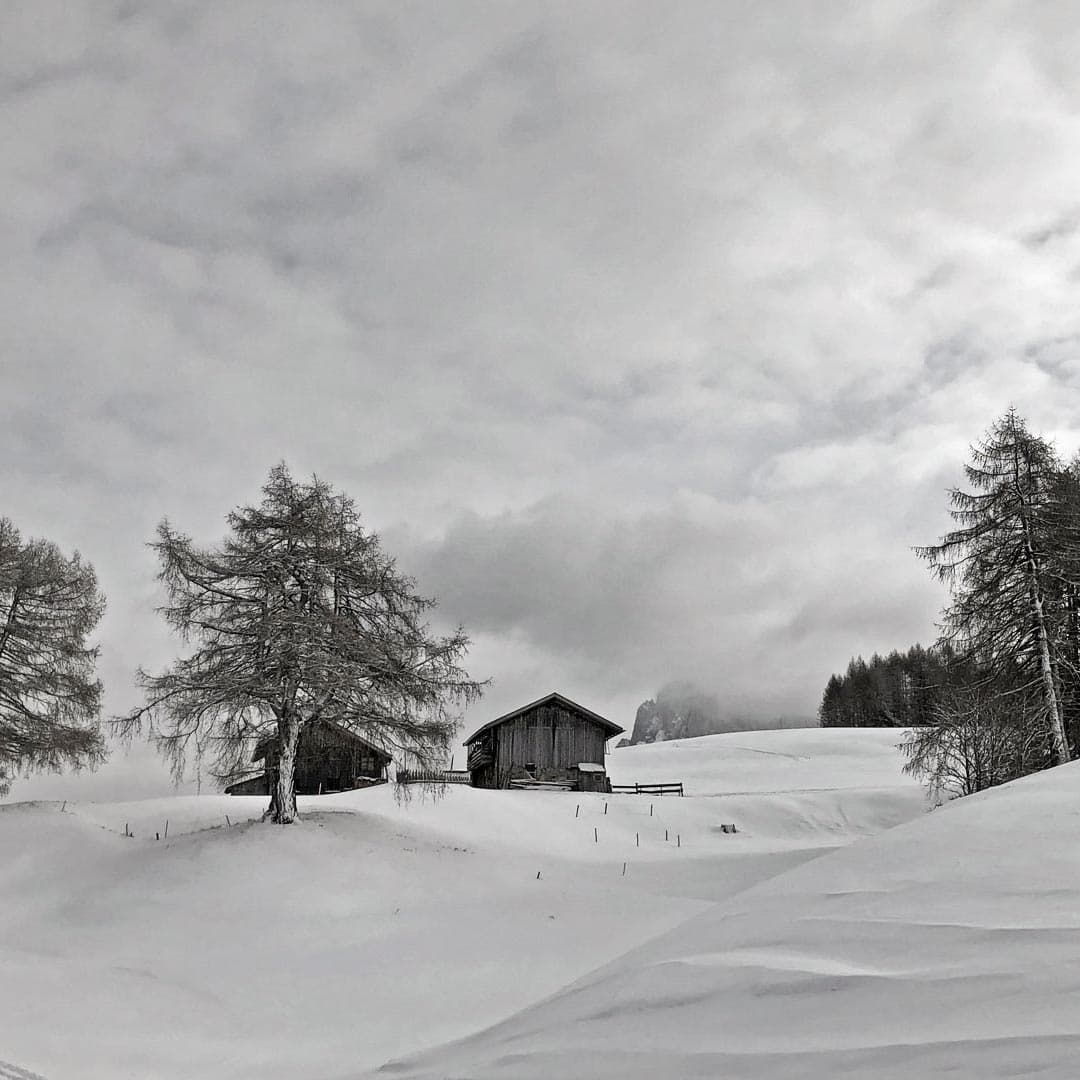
x=1058, y=745
x=283, y=796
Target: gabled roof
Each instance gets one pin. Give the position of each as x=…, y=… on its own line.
x=552, y=698
x=263, y=745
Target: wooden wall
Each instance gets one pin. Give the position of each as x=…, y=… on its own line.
x=550, y=738
x=327, y=760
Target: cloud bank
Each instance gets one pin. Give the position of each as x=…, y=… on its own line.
x=648, y=339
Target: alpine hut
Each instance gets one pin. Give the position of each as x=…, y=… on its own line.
x=550, y=741
x=328, y=758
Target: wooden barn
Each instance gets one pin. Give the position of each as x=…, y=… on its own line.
x=553, y=740
x=328, y=758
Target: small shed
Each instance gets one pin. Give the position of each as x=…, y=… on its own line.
x=329, y=758
x=553, y=739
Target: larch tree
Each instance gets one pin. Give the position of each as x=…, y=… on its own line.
x=49, y=696
x=1000, y=564
x=298, y=616
x=1063, y=565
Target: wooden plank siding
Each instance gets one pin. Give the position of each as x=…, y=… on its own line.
x=328, y=758
x=549, y=738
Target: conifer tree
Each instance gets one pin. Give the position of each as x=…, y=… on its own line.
x=298, y=616
x=49, y=695
x=1000, y=563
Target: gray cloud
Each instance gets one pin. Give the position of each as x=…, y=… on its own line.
x=648, y=339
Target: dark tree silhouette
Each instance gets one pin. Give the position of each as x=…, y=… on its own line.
x=1000, y=563
x=898, y=690
x=297, y=616
x=49, y=696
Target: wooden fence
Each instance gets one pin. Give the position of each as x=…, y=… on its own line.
x=432, y=776
x=673, y=788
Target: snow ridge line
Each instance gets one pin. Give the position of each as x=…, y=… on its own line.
x=16, y=1072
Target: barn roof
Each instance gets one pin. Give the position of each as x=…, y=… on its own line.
x=263, y=744
x=552, y=698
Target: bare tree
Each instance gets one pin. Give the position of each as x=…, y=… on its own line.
x=49, y=696
x=297, y=616
x=1000, y=561
x=982, y=735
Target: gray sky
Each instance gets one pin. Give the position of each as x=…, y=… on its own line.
x=648, y=336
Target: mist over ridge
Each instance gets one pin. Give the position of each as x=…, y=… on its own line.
x=684, y=710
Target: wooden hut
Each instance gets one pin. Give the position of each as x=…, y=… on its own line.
x=553, y=740
x=328, y=758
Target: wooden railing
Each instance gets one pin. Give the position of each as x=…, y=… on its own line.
x=673, y=788
x=432, y=776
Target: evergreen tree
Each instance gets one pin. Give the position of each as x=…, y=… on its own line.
x=899, y=690
x=831, y=714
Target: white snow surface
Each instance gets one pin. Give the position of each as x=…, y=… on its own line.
x=825, y=937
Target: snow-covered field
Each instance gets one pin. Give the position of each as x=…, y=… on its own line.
x=552, y=937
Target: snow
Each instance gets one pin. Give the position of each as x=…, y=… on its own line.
x=377, y=929
x=949, y=946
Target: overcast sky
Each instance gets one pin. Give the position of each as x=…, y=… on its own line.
x=648, y=336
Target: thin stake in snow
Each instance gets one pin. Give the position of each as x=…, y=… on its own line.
x=665, y=834
x=578, y=810
x=64, y=807
x=624, y=869
x=166, y=828
x=637, y=839
x=228, y=823
x=596, y=835
x=650, y=809
x=537, y=875
x=678, y=840
x=605, y=808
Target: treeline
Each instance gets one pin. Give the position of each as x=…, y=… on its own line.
x=898, y=690
x=999, y=694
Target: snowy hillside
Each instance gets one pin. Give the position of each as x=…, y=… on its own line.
x=374, y=929
x=945, y=947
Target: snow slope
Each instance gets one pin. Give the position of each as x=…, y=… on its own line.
x=376, y=928
x=949, y=946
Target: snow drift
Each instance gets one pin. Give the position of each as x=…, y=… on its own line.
x=949, y=946
x=375, y=928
